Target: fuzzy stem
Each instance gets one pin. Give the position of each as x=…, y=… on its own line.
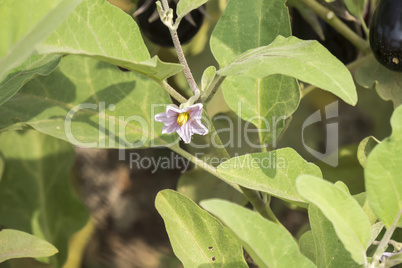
x=172, y=92
x=180, y=54
x=210, y=91
x=329, y=17
x=384, y=242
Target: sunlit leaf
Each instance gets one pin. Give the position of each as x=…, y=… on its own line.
x=382, y=174
x=197, y=238
x=272, y=172
x=25, y=24
x=350, y=222
x=269, y=244
x=17, y=244
x=91, y=104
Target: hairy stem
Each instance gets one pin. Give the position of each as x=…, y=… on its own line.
x=384, y=242
x=172, y=92
x=210, y=91
x=329, y=17
x=180, y=54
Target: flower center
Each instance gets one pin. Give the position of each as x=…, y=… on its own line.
x=182, y=118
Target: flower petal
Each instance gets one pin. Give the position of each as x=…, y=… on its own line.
x=185, y=132
x=198, y=128
x=167, y=129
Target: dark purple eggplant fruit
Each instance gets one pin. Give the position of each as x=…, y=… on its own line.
x=153, y=28
x=386, y=34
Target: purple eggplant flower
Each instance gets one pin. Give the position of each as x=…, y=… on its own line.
x=185, y=121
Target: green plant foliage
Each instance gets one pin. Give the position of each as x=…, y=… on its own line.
x=308, y=61
x=269, y=244
x=197, y=238
x=307, y=246
x=382, y=175
x=186, y=6
x=387, y=83
x=330, y=251
x=35, y=192
x=107, y=108
x=355, y=7
x=200, y=185
x=33, y=66
x=207, y=77
x=28, y=23
x=17, y=244
x=365, y=148
x=266, y=102
x=350, y=222
x=272, y=172
x=108, y=34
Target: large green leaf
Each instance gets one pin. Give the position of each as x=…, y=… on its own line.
x=35, y=192
x=109, y=34
x=350, y=222
x=330, y=252
x=273, y=172
x=33, y=66
x=197, y=238
x=266, y=102
x=25, y=24
x=17, y=244
x=382, y=174
x=248, y=24
x=92, y=104
x=269, y=244
x=386, y=82
x=308, y=61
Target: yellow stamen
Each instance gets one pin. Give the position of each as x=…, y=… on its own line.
x=182, y=119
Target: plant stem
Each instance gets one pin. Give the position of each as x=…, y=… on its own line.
x=210, y=91
x=172, y=92
x=384, y=242
x=329, y=17
x=180, y=54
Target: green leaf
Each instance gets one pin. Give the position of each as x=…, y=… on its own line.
x=197, y=238
x=307, y=246
x=375, y=231
x=35, y=193
x=27, y=24
x=350, y=222
x=17, y=244
x=186, y=6
x=1, y=165
x=308, y=61
x=355, y=7
x=207, y=77
x=200, y=185
x=330, y=251
x=248, y=24
x=265, y=102
x=109, y=34
x=382, y=174
x=365, y=148
x=92, y=104
x=35, y=65
x=269, y=244
x=272, y=172
x=363, y=202
x=386, y=82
